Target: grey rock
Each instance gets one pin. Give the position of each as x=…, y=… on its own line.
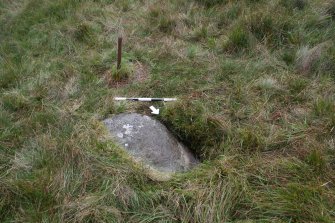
x=149, y=141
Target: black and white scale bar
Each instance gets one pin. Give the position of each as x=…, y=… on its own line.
x=144, y=99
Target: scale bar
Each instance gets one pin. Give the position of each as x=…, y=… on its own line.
x=144, y=99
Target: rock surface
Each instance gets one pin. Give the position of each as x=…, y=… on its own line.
x=148, y=141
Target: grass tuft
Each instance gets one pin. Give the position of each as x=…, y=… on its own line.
x=262, y=26
x=324, y=107
x=124, y=73
x=268, y=28
x=191, y=125
x=294, y=4
x=83, y=32
x=238, y=40
x=289, y=57
x=211, y=3
x=161, y=19
x=331, y=9
x=15, y=101
x=316, y=159
x=250, y=140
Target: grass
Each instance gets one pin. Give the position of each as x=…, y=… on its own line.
x=263, y=128
x=123, y=73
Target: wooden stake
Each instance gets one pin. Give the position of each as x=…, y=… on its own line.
x=119, y=52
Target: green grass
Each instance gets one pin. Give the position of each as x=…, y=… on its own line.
x=263, y=129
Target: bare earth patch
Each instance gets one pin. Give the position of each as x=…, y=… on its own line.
x=140, y=74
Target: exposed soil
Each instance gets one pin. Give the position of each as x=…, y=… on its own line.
x=140, y=74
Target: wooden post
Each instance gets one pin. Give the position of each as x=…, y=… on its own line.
x=119, y=52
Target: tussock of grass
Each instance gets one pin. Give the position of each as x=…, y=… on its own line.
x=263, y=129
x=124, y=73
x=331, y=9
x=238, y=40
x=294, y=4
x=190, y=123
x=162, y=19
x=266, y=28
x=210, y=3
x=214, y=194
x=325, y=109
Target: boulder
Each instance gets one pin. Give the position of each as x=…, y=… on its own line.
x=149, y=142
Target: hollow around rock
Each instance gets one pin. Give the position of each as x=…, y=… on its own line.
x=150, y=142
